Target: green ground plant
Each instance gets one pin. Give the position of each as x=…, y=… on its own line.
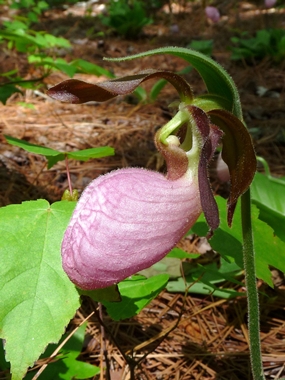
x=126, y=17
x=41, y=50
x=266, y=43
x=30, y=9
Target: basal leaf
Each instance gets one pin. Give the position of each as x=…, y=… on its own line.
x=268, y=247
x=228, y=242
x=136, y=293
x=37, y=298
x=267, y=193
x=217, y=80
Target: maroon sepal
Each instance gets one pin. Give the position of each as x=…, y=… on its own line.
x=211, y=136
x=238, y=153
x=77, y=91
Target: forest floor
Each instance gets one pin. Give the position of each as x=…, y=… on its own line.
x=187, y=337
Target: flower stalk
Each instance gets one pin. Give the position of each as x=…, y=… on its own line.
x=251, y=289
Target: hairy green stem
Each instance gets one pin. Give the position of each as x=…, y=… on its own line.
x=252, y=293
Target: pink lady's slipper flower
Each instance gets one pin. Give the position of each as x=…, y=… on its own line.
x=128, y=219
x=212, y=14
x=269, y=3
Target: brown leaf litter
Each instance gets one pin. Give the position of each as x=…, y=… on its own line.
x=177, y=336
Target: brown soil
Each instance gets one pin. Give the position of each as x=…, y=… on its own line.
x=187, y=337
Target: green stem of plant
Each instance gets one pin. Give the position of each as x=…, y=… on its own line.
x=252, y=293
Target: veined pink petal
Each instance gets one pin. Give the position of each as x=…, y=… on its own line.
x=124, y=222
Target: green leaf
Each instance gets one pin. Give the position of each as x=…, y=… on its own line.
x=178, y=253
x=168, y=265
x=199, y=279
x=203, y=46
x=268, y=247
x=205, y=287
x=86, y=154
x=217, y=80
x=228, y=242
x=210, y=102
x=42, y=5
x=204, y=279
x=37, y=298
x=6, y=91
x=64, y=67
x=53, y=156
x=268, y=194
x=90, y=68
x=4, y=365
x=71, y=350
x=9, y=73
x=141, y=94
x=32, y=16
x=156, y=89
x=56, y=41
x=15, y=24
x=26, y=105
x=52, y=160
x=110, y=294
x=136, y=293
x=66, y=366
x=59, y=64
